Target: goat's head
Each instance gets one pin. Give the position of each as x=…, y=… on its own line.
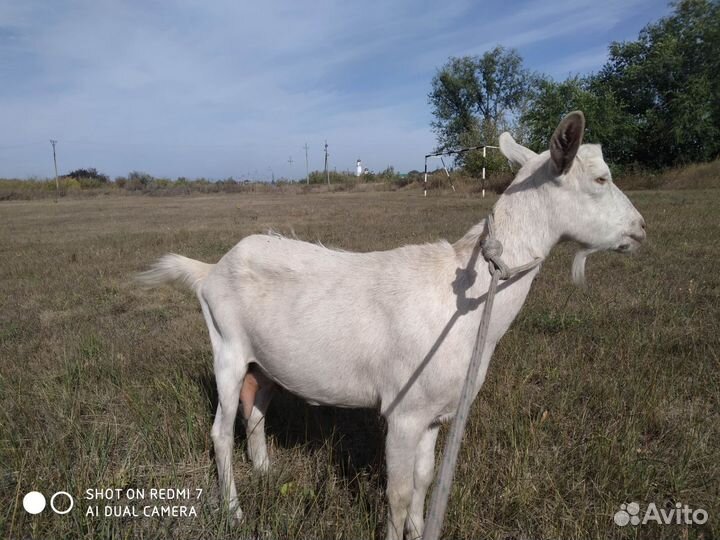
x=585, y=205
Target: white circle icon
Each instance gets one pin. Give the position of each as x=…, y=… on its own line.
x=52, y=502
x=628, y=514
x=621, y=518
x=34, y=502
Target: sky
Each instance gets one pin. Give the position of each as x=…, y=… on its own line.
x=227, y=88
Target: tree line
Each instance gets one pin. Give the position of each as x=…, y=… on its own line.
x=654, y=104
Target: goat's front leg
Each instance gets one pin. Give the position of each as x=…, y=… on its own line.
x=402, y=441
x=423, y=476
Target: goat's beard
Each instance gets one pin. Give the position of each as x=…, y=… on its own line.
x=578, y=266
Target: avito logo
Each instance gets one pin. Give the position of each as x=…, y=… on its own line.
x=679, y=514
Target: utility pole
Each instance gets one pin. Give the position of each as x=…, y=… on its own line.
x=57, y=184
x=307, y=169
x=327, y=173
x=290, y=160
x=483, y=172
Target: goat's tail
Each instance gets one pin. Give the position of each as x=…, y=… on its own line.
x=172, y=267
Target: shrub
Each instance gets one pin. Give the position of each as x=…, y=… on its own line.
x=90, y=174
x=319, y=177
x=137, y=181
x=388, y=174
x=67, y=184
x=89, y=183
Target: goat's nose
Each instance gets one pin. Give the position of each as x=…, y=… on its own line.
x=639, y=225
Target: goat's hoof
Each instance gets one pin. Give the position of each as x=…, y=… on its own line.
x=237, y=516
x=235, y=513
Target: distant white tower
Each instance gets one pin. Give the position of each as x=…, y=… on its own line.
x=359, y=168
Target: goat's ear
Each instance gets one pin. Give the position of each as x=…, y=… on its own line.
x=516, y=153
x=566, y=140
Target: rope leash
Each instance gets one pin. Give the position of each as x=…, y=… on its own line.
x=491, y=249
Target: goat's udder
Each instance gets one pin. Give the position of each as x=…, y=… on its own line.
x=249, y=388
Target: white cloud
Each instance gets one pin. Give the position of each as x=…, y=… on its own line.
x=589, y=61
x=220, y=88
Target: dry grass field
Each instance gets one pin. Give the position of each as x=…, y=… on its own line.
x=594, y=397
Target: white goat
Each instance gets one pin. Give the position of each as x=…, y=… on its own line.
x=394, y=329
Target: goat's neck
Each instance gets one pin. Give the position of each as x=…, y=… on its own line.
x=523, y=225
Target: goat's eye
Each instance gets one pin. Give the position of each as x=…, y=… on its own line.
x=601, y=180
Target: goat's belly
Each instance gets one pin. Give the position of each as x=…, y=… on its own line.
x=329, y=389
x=358, y=405
x=335, y=379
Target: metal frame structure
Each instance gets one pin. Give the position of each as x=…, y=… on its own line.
x=457, y=152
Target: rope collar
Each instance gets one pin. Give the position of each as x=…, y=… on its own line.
x=491, y=249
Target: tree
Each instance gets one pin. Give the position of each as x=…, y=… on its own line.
x=657, y=99
x=473, y=96
x=669, y=82
x=607, y=123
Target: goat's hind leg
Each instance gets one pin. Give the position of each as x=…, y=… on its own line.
x=256, y=393
x=229, y=373
x=230, y=366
